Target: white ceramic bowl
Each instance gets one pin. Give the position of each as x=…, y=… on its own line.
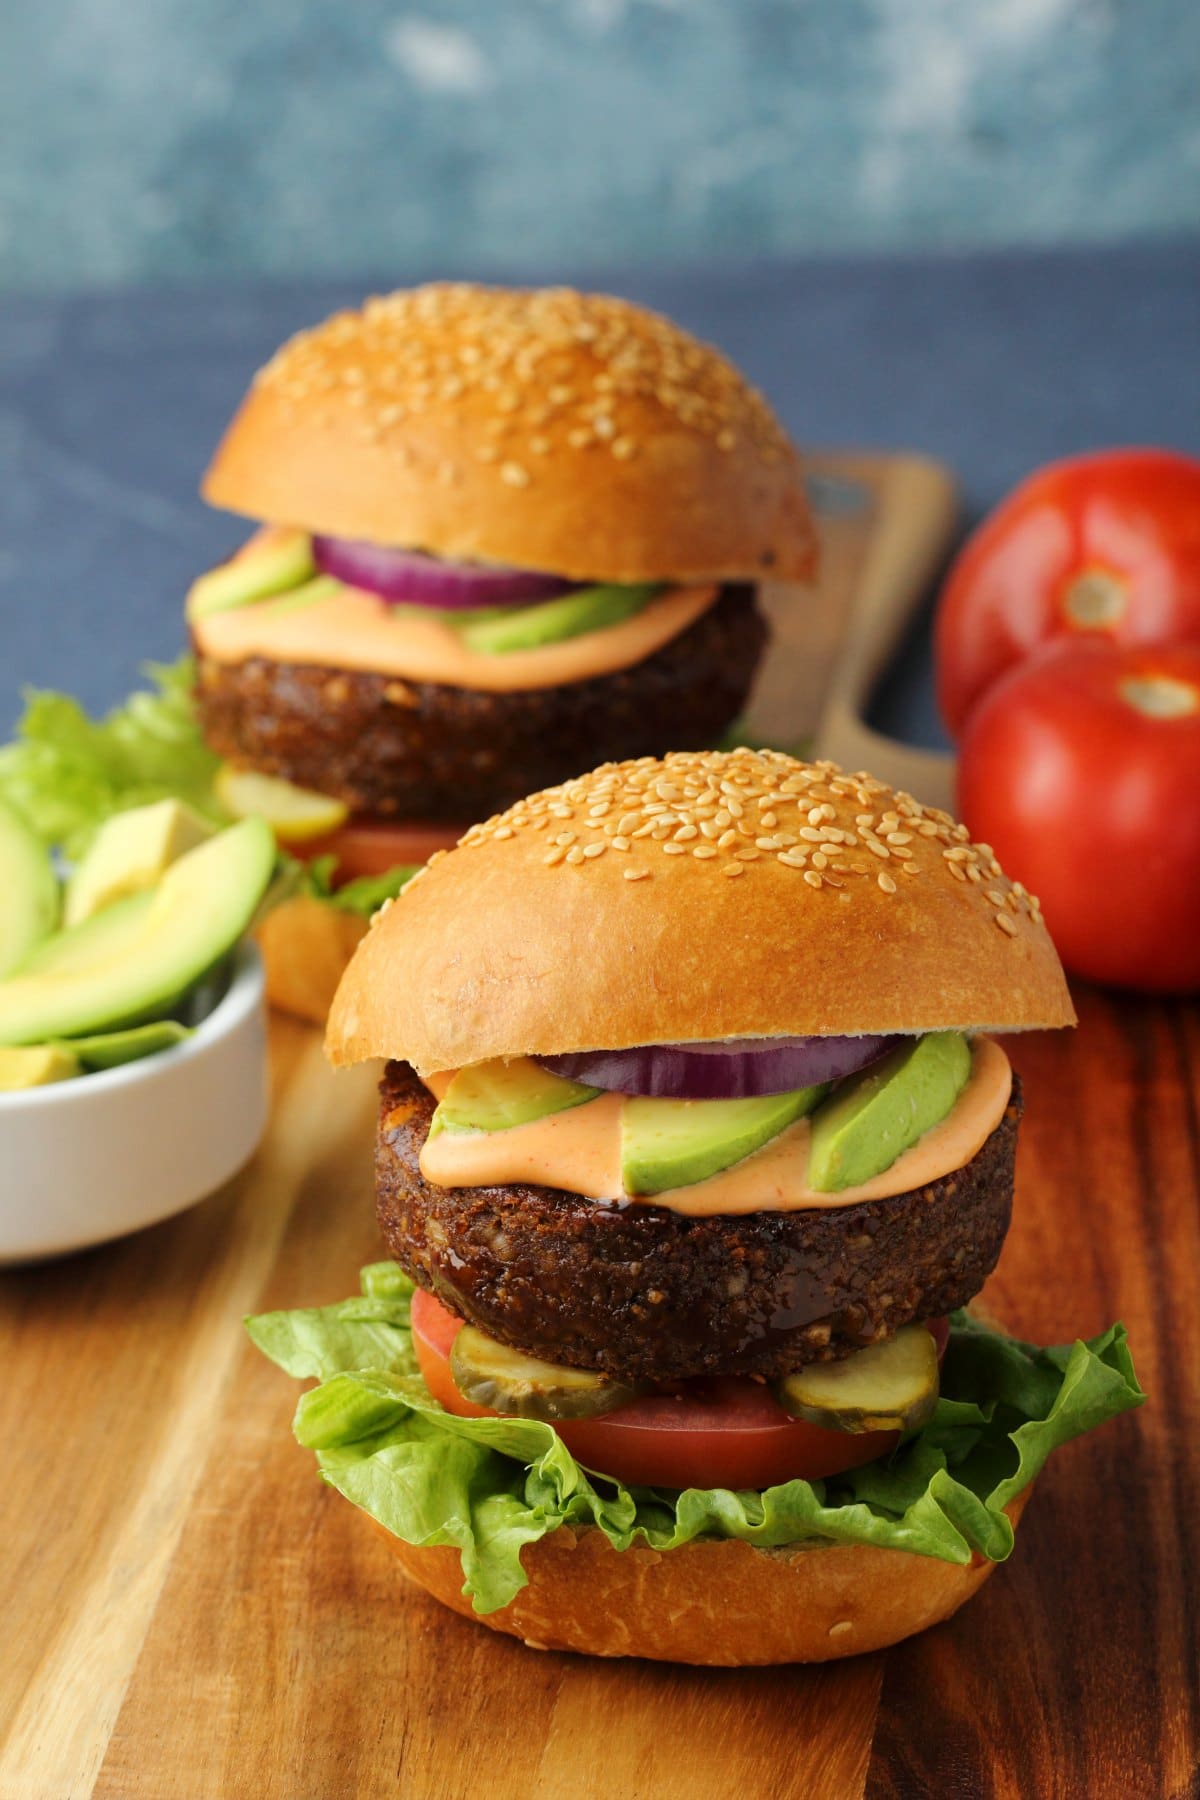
x=89, y=1159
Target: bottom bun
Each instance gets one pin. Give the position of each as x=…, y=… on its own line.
x=712, y=1602
x=306, y=945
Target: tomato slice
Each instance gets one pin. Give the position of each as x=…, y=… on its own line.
x=721, y=1431
x=373, y=846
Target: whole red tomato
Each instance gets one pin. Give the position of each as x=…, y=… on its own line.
x=1105, y=544
x=1081, y=768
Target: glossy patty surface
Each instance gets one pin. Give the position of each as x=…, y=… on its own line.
x=643, y=1292
x=418, y=749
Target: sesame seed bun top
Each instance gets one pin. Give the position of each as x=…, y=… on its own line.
x=702, y=896
x=566, y=432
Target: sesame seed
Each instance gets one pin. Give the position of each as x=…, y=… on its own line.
x=734, y=868
x=515, y=474
x=690, y=801
x=634, y=874
x=1006, y=925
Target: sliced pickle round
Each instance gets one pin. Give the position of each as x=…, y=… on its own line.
x=891, y=1386
x=507, y=1381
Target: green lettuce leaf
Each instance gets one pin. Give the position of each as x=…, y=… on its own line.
x=490, y=1486
x=363, y=896
x=67, y=772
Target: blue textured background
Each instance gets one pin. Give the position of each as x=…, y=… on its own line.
x=110, y=406
x=170, y=139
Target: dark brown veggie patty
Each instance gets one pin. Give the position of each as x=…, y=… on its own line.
x=645, y=1293
x=417, y=749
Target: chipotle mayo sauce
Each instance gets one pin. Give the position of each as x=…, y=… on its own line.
x=580, y=1150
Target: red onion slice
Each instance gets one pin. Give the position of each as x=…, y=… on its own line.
x=730, y=1069
x=411, y=578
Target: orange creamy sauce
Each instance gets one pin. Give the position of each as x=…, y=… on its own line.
x=357, y=630
x=580, y=1150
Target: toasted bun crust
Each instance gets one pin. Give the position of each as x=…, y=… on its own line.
x=712, y=1602
x=607, y=913
x=552, y=430
x=305, y=947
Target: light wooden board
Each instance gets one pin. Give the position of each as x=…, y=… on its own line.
x=188, y=1613
x=886, y=523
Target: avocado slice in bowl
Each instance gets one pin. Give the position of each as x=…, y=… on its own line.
x=133, y=960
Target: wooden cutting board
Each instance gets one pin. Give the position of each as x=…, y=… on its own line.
x=186, y=1612
x=886, y=524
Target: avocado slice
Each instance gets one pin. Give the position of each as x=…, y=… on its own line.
x=29, y=897
x=496, y=630
x=321, y=587
x=891, y=1386
x=675, y=1143
x=524, y=1387
x=283, y=563
x=496, y=1095
x=111, y=1049
x=34, y=1066
x=872, y=1117
x=130, y=852
x=136, y=958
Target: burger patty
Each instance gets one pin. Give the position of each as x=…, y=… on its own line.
x=642, y=1292
x=418, y=749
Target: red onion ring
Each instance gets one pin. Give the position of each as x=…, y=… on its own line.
x=411, y=578
x=729, y=1069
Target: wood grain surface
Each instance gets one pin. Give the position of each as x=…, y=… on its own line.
x=187, y=1612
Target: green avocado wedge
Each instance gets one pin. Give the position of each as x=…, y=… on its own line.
x=112, y=1049
x=496, y=1095
x=499, y=630
x=244, y=579
x=130, y=852
x=34, y=1066
x=136, y=958
x=675, y=1143
x=871, y=1118
x=29, y=897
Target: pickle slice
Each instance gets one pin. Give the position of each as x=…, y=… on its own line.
x=524, y=1387
x=891, y=1386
